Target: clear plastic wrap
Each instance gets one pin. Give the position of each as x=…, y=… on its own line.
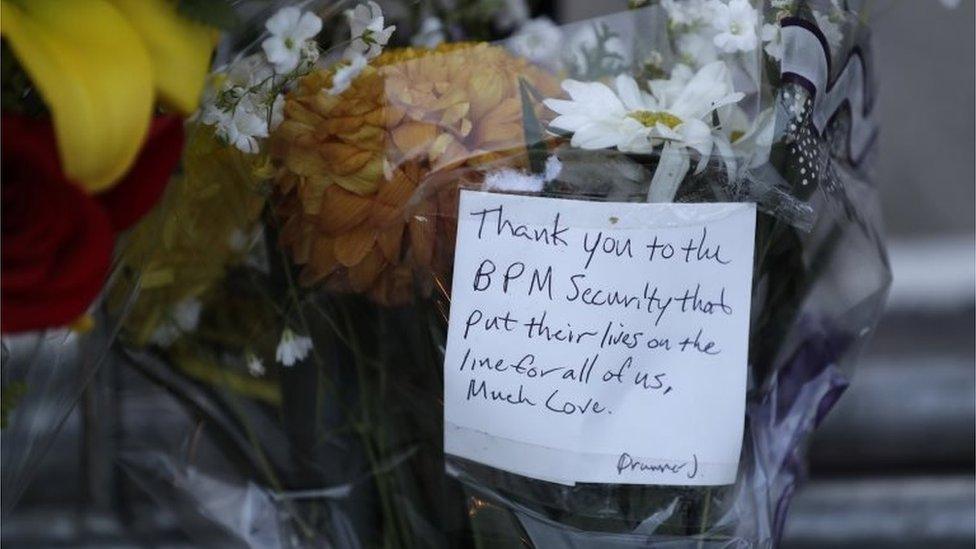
x=44, y=375
x=316, y=268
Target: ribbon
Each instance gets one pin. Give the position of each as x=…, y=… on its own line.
x=806, y=62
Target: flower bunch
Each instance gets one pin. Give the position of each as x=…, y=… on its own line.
x=301, y=278
x=682, y=100
x=92, y=129
x=244, y=100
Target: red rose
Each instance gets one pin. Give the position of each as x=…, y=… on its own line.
x=57, y=240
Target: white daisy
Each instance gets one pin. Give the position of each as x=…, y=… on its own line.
x=290, y=29
x=736, y=26
x=367, y=31
x=636, y=121
x=667, y=90
x=292, y=348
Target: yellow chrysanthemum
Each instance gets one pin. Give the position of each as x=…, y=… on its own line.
x=369, y=178
x=201, y=229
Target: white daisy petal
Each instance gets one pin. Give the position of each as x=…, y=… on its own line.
x=629, y=93
x=594, y=95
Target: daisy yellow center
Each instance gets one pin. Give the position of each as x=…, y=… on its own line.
x=651, y=118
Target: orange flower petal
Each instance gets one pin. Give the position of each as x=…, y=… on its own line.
x=353, y=247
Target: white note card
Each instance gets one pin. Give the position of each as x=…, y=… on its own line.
x=599, y=342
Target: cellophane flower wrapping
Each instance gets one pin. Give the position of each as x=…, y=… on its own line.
x=295, y=288
x=44, y=375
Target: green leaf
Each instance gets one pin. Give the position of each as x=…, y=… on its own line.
x=215, y=13
x=9, y=399
x=535, y=147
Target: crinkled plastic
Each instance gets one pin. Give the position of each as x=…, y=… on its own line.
x=342, y=229
x=43, y=377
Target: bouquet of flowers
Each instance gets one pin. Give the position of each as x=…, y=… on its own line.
x=368, y=197
x=93, y=99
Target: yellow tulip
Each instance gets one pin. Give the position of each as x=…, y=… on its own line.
x=96, y=63
x=179, y=48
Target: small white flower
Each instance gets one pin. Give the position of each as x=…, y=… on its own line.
x=553, y=168
x=636, y=121
x=183, y=317
x=431, y=33
x=773, y=38
x=186, y=314
x=254, y=365
x=290, y=29
x=242, y=103
x=511, y=14
x=697, y=48
x=367, y=31
x=164, y=335
x=292, y=348
x=686, y=12
x=539, y=40
x=247, y=72
x=347, y=71
x=736, y=26
x=247, y=122
x=830, y=29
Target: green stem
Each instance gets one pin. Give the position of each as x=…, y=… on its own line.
x=703, y=527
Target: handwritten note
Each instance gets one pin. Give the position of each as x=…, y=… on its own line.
x=599, y=342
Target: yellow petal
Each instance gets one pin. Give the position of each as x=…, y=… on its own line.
x=179, y=48
x=94, y=73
